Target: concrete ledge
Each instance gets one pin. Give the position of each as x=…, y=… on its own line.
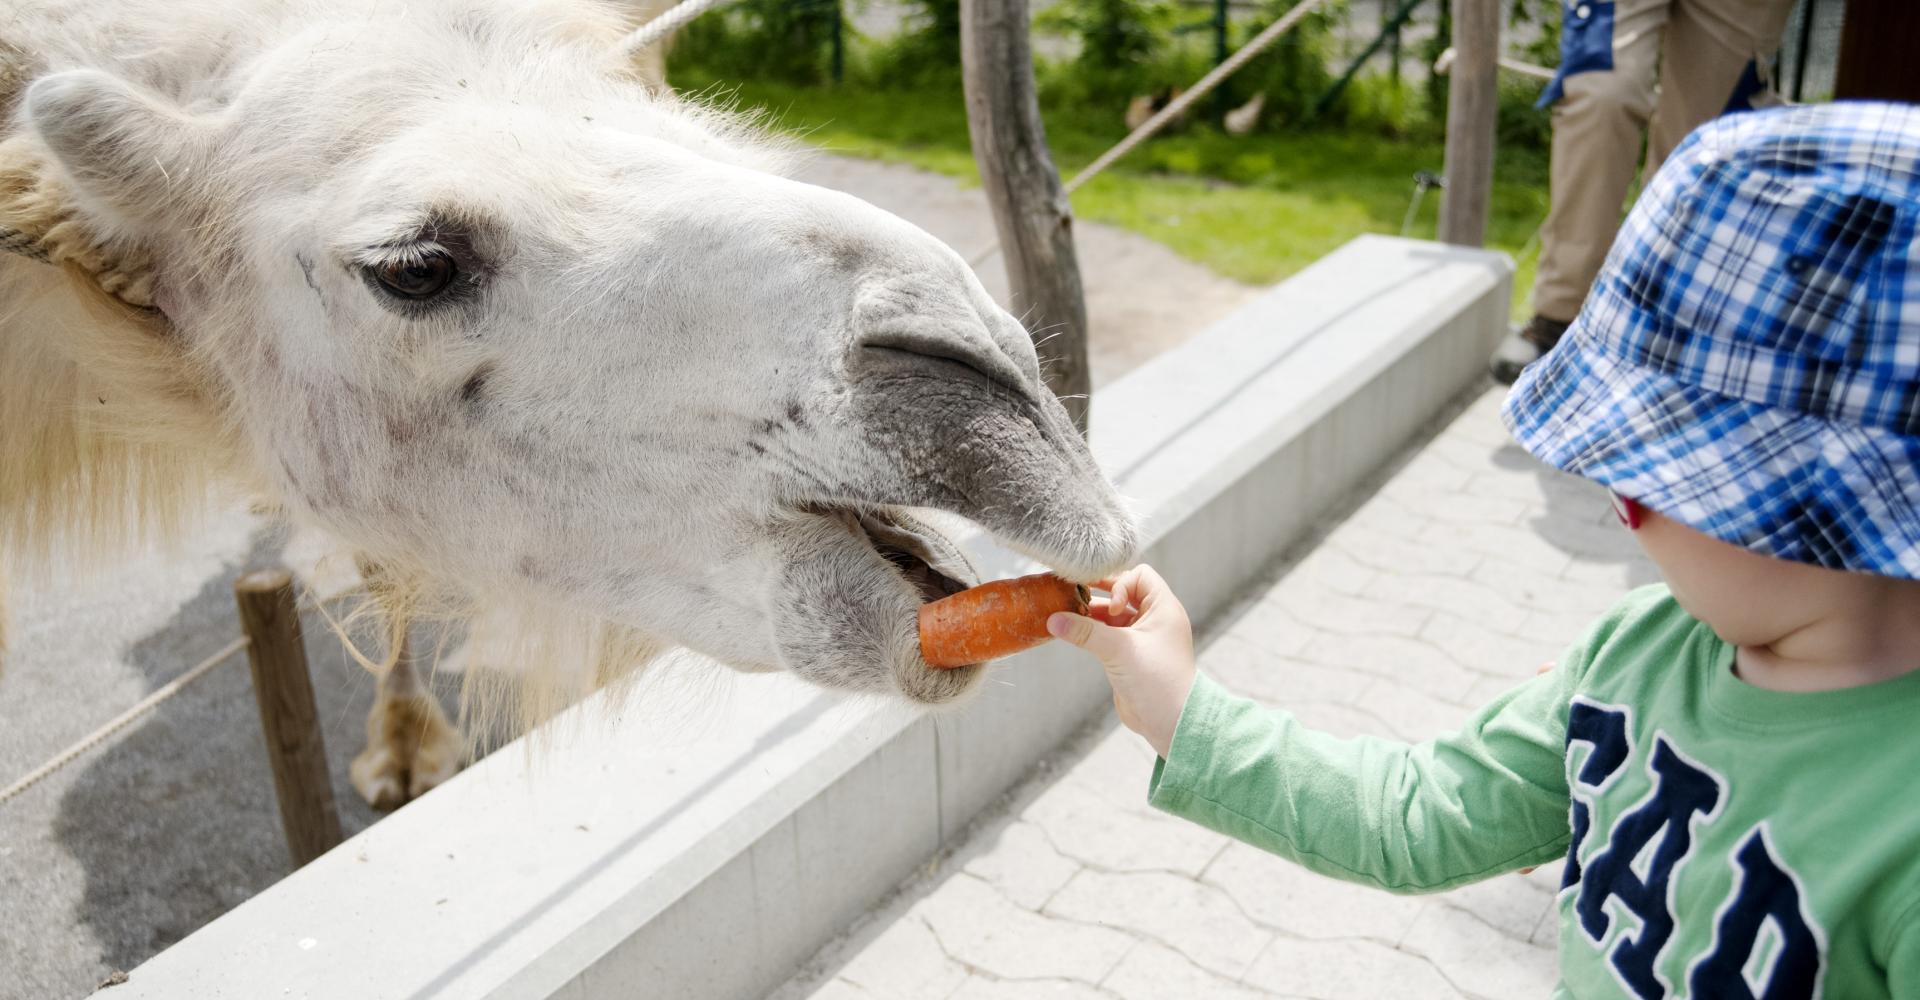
x=642, y=859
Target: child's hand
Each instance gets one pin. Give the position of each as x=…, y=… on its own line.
x=1143, y=638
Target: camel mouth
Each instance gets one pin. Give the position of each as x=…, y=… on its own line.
x=846, y=614
x=927, y=560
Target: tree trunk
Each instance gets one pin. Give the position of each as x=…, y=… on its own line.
x=1030, y=209
x=1473, y=101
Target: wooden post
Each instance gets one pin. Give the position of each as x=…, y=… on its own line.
x=1030, y=209
x=1472, y=104
x=1876, y=63
x=284, y=689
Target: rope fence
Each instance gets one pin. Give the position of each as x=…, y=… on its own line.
x=161, y=695
x=123, y=720
x=1176, y=107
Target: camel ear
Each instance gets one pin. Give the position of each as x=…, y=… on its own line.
x=125, y=151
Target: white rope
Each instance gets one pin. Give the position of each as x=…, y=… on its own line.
x=309, y=602
x=121, y=721
x=1178, y=105
x=666, y=24
x=1444, y=65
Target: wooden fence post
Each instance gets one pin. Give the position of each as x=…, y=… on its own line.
x=283, y=686
x=1473, y=102
x=1030, y=209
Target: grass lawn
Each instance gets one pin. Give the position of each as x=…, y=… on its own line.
x=1256, y=208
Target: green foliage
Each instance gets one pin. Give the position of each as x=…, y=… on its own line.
x=1254, y=209
x=1436, y=89
x=1126, y=48
x=786, y=40
x=1116, y=36
x=928, y=51
x=1543, y=49
x=1296, y=70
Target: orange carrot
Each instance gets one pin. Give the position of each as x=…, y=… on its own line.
x=994, y=619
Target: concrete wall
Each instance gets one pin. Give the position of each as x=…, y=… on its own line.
x=651, y=858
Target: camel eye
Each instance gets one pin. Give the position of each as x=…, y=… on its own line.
x=421, y=277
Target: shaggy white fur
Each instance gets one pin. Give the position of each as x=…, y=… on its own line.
x=536, y=340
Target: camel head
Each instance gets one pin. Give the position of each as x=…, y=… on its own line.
x=486, y=308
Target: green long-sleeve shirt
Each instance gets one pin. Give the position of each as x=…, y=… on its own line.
x=1721, y=840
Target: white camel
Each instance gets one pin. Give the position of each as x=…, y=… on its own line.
x=539, y=342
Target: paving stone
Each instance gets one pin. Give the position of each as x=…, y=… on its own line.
x=1116, y=768
x=1451, y=593
x=1089, y=829
x=1155, y=972
x=1485, y=651
x=1518, y=544
x=1480, y=424
x=1464, y=507
x=1348, y=970
x=840, y=989
x=1332, y=612
x=1481, y=960
x=903, y=962
x=1510, y=904
x=1592, y=537
x=983, y=988
x=1536, y=591
x=1197, y=920
x=1414, y=662
x=1546, y=878
x=1537, y=484
x=1490, y=688
x=1547, y=931
x=1560, y=628
x=1431, y=474
x=1270, y=627
x=1616, y=575
x=1389, y=554
x=1301, y=904
x=977, y=926
x=1333, y=570
x=1019, y=861
x=1462, y=453
x=1414, y=716
x=1344, y=721
x=1382, y=518
x=1281, y=681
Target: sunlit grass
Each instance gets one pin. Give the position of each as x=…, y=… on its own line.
x=1255, y=208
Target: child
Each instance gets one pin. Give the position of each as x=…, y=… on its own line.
x=1727, y=762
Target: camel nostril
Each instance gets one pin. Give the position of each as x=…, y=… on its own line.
x=925, y=347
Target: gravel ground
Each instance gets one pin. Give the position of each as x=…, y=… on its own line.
x=173, y=822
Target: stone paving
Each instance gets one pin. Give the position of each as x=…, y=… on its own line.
x=1468, y=567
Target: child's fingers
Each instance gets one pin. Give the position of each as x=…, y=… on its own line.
x=1119, y=589
x=1147, y=587
x=1106, y=612
x=1101, y=640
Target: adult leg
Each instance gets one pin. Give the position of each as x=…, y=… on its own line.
x=1598, y=125
x=1713, y=42
x=1597, y=132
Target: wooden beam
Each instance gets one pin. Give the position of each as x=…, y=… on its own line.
x=1030, y=209
x=283, y=687
x=1876, y=61
x=1473, y=100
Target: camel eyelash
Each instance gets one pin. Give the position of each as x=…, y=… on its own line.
x=421, y=277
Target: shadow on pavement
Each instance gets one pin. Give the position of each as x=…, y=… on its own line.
x=177, y=822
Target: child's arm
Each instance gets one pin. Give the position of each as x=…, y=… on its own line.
x=1485, y=800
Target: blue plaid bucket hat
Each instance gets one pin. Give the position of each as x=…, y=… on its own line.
x=1748, y=362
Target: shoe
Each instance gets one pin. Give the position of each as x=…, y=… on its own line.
x=1524, y=346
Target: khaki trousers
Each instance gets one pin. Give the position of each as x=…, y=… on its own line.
x=1696, y=50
